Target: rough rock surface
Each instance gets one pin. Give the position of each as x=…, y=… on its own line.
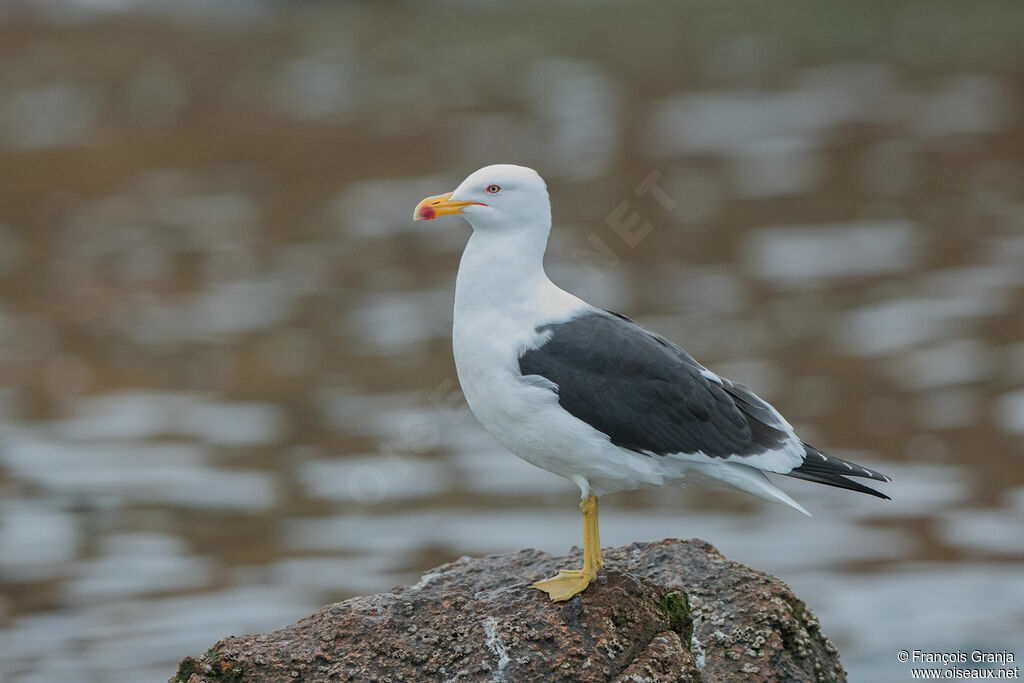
x=667, y=611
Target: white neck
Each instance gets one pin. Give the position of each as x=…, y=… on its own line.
x=498, y=268
x=501, y=279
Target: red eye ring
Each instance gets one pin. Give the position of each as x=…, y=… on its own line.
x=494, y=189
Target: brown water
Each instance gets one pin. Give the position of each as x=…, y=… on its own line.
x=226, y=387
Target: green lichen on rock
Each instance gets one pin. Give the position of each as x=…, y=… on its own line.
x=678, y=608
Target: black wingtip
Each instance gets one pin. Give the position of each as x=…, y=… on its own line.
x=838, y=481
x=824, y=469
x=816, y=460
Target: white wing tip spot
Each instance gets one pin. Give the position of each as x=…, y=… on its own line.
x=707, y=374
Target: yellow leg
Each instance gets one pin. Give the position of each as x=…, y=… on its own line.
x=569, y=582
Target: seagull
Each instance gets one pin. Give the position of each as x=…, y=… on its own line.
x=589, y=394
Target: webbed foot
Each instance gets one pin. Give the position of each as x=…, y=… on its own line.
x=567, y=583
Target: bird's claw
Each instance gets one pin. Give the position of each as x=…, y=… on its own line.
x=565, y=584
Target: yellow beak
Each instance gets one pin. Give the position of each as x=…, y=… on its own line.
x=441, y=205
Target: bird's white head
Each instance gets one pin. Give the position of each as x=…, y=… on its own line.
x=497, y=198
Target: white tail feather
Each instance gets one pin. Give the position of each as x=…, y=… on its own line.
x=746, y=479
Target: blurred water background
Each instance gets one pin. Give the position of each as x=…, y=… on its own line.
x=226, y=387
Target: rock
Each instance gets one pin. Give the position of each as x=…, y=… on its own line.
x=667, y=611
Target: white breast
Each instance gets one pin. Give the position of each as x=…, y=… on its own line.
x=488, y=337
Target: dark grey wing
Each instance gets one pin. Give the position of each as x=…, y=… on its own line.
x=649, y=396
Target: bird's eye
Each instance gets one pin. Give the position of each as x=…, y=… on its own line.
x=493, y=189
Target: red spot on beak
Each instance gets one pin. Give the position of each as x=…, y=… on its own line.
x=427, y=214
